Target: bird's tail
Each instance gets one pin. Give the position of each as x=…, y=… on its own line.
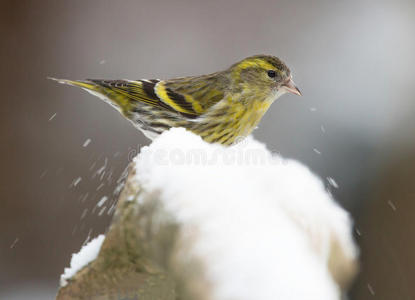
x=114, y=99
x=79, y=83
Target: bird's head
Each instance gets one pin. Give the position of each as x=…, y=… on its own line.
x=263, y=74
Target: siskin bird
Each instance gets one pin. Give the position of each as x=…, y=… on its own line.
x=221, y=107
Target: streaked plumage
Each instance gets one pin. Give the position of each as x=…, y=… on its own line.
x=220, y=107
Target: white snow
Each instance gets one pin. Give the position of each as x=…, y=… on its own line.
x=52, y=117
x=14, y=243
x=86, y=143
x=316, y=151
x=392, y=205
x=332, y=182
x=79, y=260
x=102, y=201
x=76, y=181
x=370, y=288
x=263, y=226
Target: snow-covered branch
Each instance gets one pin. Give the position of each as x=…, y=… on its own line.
x=205, y=222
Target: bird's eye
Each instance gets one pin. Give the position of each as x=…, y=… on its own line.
x=271, y=73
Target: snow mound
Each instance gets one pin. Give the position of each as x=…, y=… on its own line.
x=262, y=226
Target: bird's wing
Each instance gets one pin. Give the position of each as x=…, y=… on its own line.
x=185, y=96
x=194, y=94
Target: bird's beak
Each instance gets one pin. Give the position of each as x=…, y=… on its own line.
x=290, y=87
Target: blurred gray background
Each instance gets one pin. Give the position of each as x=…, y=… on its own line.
x=353, y=61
